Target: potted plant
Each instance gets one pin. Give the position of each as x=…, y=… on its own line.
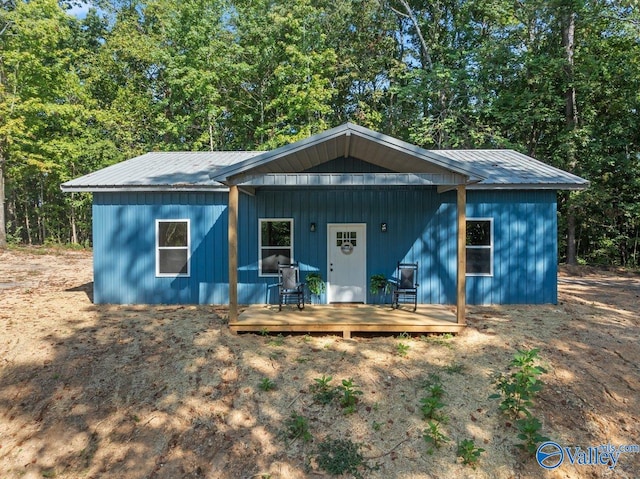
x=315, y=284
x=379, y=285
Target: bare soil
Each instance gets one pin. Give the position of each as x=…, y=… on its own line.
x=92, y=391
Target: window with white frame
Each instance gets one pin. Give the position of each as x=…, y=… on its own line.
x=172, y=248
x=276, y=245
x=479, y=246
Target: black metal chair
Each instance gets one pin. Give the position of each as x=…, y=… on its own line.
x=406, y=288
x=289, y=285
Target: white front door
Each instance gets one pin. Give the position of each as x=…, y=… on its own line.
x=347, y=254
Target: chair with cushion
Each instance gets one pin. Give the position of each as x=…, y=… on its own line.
x=406, y=287
x=289, y=285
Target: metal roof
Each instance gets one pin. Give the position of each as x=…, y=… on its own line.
x=194, y=171
x=161, y=171
x=508, y=169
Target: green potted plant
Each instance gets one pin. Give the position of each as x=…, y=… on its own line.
x=315, y=284
x=379, y=284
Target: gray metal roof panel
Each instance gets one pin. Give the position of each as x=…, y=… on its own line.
x=508, y=168
x=186, y=171
x=160, y=170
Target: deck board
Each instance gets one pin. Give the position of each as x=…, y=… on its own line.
x=347, y=319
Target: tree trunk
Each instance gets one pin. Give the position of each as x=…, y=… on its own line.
x=3, y=228
x=568, y=39
x=571, y=235
x=27, y=225
x=571, y=118
x=74, y=229
x=425, y=49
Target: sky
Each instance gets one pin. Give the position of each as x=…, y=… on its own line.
x=79, y=11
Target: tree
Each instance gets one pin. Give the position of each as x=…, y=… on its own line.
x=280, y=89
x=29, y=72
x=47, y=118
x=557, y=80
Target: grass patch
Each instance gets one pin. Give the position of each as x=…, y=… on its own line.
x=341, y=456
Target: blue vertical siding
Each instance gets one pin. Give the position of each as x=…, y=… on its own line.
x=124, y=248
x=421, y=227
x=525, y=247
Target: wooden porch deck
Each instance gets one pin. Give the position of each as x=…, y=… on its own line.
x=347, y=319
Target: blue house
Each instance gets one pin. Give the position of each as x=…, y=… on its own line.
x=211, y=227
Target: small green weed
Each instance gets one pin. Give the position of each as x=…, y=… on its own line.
x=277, y=341
x=274, y=355
x=350, y=395
x=264, y=332
x=430, y=409
x=323, y=393
x=297, y=426
x=439, y=339
x=432, y=379
x=347, y=393
x=469, y=453
x=267, y=384
x=341, y=456
x=377, y=425
x=402, y=349
x=530, y=433
x=431, y=404
x=434, y=437
x=436, y=391
x=518, y=388
x=456, y=368
x=323, y=382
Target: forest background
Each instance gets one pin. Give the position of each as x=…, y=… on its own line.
x=558, y=80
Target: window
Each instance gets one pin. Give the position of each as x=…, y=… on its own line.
x=480, y=247
x=172, y=247
x=276, y=245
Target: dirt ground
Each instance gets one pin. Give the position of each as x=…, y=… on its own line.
x=92, y=391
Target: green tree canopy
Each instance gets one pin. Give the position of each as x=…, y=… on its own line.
x=558, y=80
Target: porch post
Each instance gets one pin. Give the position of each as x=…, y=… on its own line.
x=461, y=298
x=233, y=253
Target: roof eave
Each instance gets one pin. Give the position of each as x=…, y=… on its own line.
x=530, y=186
x=140, y=188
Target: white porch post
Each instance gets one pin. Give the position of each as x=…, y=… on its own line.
x=233, y=253
x=461, y=298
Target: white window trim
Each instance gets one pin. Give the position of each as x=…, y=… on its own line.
x=188, y=248
x=260, y=247
x=491, y=247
